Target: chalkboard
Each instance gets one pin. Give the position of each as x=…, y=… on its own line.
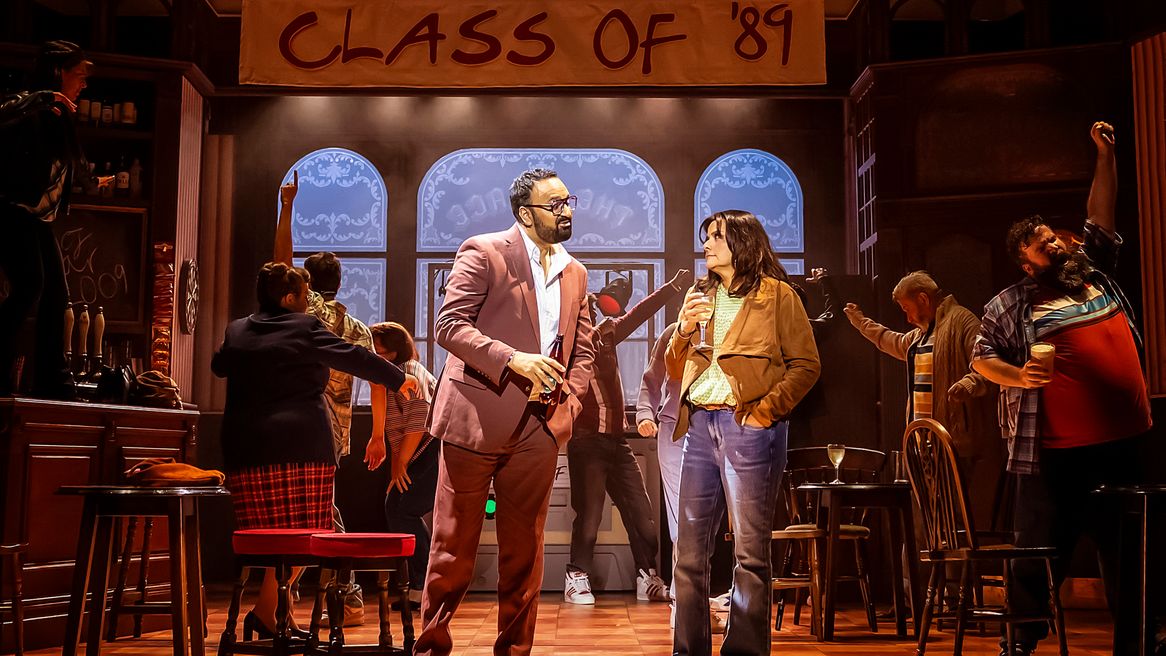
x=103, y=249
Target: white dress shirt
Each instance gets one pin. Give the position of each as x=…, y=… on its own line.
x=546, y=288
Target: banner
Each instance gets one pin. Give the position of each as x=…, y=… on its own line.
x=527, y=43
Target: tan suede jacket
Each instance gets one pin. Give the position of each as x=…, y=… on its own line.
x=768, y=355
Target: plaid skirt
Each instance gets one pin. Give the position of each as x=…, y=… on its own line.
x=291, y=495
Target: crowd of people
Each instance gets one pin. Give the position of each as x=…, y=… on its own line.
x=533, y=371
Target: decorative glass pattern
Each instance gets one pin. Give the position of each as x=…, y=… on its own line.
x=794, y=267
x=755, y=181
x=341, y=205
x=465, y=193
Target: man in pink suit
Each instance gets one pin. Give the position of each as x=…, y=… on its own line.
x=508, y=298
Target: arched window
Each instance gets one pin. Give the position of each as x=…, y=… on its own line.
x=758, y=182
x=342, y=207
x=619, y=229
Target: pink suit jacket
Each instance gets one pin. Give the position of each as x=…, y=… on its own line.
x=490, y=311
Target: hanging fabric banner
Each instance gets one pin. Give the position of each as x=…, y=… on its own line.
x=531, y=43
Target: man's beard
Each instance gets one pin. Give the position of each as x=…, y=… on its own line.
x=553, y=233
x=1066, y=272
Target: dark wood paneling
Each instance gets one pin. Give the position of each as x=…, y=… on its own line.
x=47, y=444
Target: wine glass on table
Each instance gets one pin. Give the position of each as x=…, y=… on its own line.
x=836, y=452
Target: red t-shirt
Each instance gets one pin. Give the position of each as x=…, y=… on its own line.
x=1097, y=393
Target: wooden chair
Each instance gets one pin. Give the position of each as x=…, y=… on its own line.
x=951, y=537
x=803, y=537
x=13, y=555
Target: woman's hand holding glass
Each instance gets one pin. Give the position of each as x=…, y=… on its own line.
x=696, y=312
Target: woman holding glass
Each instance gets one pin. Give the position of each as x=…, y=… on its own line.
x=739, y=383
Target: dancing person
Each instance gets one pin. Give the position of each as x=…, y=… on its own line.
x=276, y=436
x=1081, y=420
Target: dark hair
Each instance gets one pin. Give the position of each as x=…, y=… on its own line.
x=753, y=257
x=394, y=338
x=522, y=186
x=325, y=271
x=276, y=280
x=1019, y=234
x=53, y=58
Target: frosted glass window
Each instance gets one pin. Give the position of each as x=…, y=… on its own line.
x=467, y=192
x=758, y=182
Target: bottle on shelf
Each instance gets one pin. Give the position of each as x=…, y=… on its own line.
x=107, y=190
x=136, y=179
x=95, y=111
x=129, y=113
x=106, y=113
x=123, y=178
x=83, y=110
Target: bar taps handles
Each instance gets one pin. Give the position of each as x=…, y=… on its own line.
x=98, y=334
x=83, y=334
x=69, y=334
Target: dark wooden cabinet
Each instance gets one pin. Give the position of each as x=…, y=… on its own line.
x=47, y=444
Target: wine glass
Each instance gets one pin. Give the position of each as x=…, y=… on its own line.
x=711, y=299
x=836, y=452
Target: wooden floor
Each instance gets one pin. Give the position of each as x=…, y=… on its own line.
x=619, y=625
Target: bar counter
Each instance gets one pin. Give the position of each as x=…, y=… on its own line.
x=47, y=444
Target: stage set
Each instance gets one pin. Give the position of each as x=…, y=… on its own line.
x=209, y=140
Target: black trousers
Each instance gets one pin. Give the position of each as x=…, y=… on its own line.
x=601, y=465
x=404, y=511
x=31, y=262
x=1056, y=507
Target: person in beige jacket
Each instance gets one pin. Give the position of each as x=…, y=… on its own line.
x=740, y=379
x=941, y=384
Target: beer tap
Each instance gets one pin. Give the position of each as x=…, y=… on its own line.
x=83, y=342
x=69, y=335
x=98, y=335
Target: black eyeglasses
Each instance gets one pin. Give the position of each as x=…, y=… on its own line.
x=556, y=206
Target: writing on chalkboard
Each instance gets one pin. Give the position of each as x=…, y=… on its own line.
x=78, y=252
x=103, y=256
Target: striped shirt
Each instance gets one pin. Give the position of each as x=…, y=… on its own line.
x=404, y=416
x=1007, y=331
x=923, y=369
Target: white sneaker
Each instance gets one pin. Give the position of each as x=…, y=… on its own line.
x=577, y=589
x=716, y=622
x=720, y=603
x=650, y=587
x=672, y=615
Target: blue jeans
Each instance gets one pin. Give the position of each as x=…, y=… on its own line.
x=741, y=467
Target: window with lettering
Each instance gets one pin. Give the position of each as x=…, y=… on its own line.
x=341, y=207
x=618, y=229
x=758, y=182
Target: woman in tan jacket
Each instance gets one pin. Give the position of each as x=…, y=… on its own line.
x=737, y=391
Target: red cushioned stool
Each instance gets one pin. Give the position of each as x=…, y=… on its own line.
x=385, y=553
x=280, y=549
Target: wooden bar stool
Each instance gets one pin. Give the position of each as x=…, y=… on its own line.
x=139, y=607
x=385, y=553
x=102, y=505
x=13, y=555
x=280, y=549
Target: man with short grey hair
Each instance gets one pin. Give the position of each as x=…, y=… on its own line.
x=940, y=382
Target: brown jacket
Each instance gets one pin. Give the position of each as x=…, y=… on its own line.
x=490, y=311
x=972, y=424
x=768, y=355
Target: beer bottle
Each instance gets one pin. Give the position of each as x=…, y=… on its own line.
x=551, y=399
